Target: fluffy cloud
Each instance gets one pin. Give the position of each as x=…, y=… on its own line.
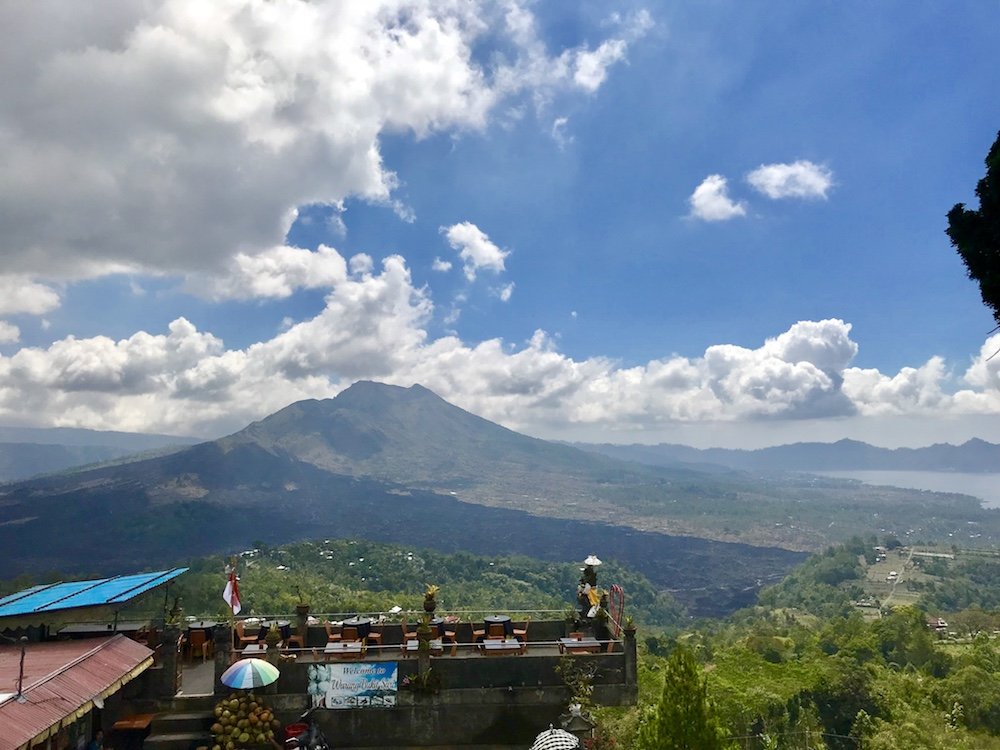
x=375, y=325
x=800, y=179
x=276, y=273
x=178, y=136
x=592, y=65
x=913, y=390
x=441, y=266
x=710, y=201
x=20, y=294
x=474, y=248
x=9, y=333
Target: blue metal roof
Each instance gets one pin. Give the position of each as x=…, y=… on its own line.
x=53, y=597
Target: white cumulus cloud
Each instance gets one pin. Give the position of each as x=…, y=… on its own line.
x=180, y=136
x=592, y=65
x=800, y=179
x=9, y=333
x=278, y=272
x=710, y=201
x=21, y=294
x=375, y=325
x=474, y=248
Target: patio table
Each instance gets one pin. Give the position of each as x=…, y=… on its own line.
x=505, y=647
x=284, y=626
x=363, y=624
x=579, y=645
x=254, y=649
x=344, y=650
x=437, y=646
x=508, y=625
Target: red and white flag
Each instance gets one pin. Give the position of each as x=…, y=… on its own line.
x=232, y=593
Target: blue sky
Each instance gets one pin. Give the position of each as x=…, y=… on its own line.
x=156, y=279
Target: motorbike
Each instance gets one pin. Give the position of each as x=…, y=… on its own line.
x=311, y=739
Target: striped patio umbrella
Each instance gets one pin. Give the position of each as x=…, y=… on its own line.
x=555, y=739
x=247, y=674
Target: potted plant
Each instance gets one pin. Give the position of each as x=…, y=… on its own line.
x=430, y=601
x=302, y=608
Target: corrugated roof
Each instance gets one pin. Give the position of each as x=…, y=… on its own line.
x=101, y=591
x=61, y=680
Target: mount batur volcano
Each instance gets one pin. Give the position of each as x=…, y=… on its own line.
x=378, y=462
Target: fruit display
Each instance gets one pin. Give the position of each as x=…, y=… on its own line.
x=243, y=721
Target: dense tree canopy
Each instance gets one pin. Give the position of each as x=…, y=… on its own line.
x=683, y=719
x=976, y=234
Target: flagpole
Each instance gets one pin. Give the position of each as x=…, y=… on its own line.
x=230, y=577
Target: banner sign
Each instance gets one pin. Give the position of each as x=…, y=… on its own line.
x=353, y=685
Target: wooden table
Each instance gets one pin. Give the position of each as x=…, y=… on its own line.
x=130, y=731
x=579, y=646
x=508, y=625
x=254, y=649
x=134, y=722
x=344, y=650
x=201, y=624
x=505, y=647
x=362, y=624
x=284, y=627
x=437, y=646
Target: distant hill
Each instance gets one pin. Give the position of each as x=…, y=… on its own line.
x=27, y=451
x=402, y=465
x=363, y=464
x=76, y=436
x=845, y=455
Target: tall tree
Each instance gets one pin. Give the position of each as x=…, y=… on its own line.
x=976, y=234
x=683, y=719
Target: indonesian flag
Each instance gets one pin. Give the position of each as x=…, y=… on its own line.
x=232, y=593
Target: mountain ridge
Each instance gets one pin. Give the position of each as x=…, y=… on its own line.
x=974, y=456
x=401, y=464
x=29, y=451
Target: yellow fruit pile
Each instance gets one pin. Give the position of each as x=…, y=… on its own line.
x=242, y=720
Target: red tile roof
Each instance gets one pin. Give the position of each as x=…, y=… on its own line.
x=61, y=680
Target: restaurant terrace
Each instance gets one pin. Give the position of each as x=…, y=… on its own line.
x=446, y=679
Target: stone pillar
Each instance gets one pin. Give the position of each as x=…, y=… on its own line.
x=272, y=639
x=631, y=665
x=424, y=646
x=222, y=637
x=302, y=622
x=170, y=661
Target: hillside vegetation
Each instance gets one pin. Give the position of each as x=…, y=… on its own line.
x=352, y=575
x=814, y=664
x=810, y=668
x=400, y=465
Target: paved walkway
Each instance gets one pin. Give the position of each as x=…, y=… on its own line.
x=197, y=678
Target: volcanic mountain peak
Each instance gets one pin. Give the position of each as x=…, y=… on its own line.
x=395, y=433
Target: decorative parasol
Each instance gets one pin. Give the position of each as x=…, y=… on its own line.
x=247, y=674
x=555, y=739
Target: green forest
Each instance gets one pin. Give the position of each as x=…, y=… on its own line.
x=831, y=657
x=815, y=665
x=834, y=656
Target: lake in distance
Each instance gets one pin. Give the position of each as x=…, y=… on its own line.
x=984, y=486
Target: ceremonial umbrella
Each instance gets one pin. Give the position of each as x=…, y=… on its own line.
x=555, y=739
x=247, y=674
